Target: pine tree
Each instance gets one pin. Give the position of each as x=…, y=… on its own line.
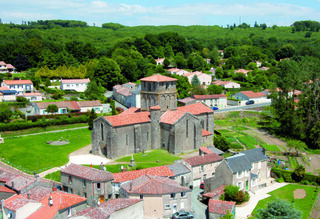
x=92, y=116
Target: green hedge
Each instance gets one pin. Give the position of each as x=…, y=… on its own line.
x=287, y=176
x=15, y=104
x=53, y=116
x=41, y=123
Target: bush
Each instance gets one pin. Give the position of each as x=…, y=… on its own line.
x=305, y=182
x=280, y=180
x=314, y=183
x=286, y=175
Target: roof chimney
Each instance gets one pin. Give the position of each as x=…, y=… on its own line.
x=130, y=186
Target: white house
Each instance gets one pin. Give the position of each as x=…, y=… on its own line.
x=86, y=106
x=6, y=67
x=32, y=97
x=21, y=86
x=242, y=71
x=217, y=100
x=177, y=71
x=204, y=79
x=159, y=61
x=227, y=84
x=257, y=97
x=79, y=85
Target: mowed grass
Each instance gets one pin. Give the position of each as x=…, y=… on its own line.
x=32, y=153
x=270, y=147
x=286, y=193
x=55, y=176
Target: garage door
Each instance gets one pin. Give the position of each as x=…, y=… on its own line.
x=196, y=182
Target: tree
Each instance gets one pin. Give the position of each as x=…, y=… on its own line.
x=221, y=143
x=214, y=89
x=286, y=51
x=21, y=63
x=219, y=73
x=278, y=209
x=5, y=112
x=166, y=63
x=52, y=108
x=92, y=116
x=94, y=92
x=198, y=90
x=113, y=107
x=228, y=215
x=195, y=81
x=298, y=173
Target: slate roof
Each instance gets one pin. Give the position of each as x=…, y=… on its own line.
x=89, y=173
x=205, y=159
x=220, y=207
x=14, y=82
x=238, y=163
x=218, y=191
x=178, y=169
x=134, y=174
x=214, y=96
x=8, y=91
x=255, y=155
x=170, y=117
x=128, y=118
x=155, y=185
x=215, y=150
x=158, y=78
x=195, y=109
x=89, y=103
x=107, y=208
x=75, y=81
x=252, y=94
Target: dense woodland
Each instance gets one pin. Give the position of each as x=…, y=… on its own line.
x=115, y=53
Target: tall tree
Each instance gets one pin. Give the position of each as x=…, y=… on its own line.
x=278, y=209
x=92, y=116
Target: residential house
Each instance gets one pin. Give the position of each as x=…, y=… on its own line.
x=220, y=52
x=181, y=174
x=202, y=167
x=127, y=94
x=210, y=150
x=6, y=67
x=162, y=196
x=258, y=64
x=242, y=71
x=115, y=209
x=204, y=79
x=264, y=68
x=5, y=192
x=187, y=101
x=159, y=61
x=248, y=170
x=214, y=100
x=86, y=106
x=216, y=194
x=227, y=84
x=177, y=71
x=290, y=93
x=21, y=86
x=8, y=95
x=91, y=183
x=32, y=97
x=79, y=85
x=218, y=208
x=257, y=97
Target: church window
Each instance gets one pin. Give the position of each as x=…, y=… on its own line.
x=147, y=136
x=187, y=128
x=202, y=124
x=126, y=139
x=102, y=131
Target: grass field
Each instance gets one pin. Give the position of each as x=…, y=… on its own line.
x=286, y=193
x=55, y=176
x=270, y=147
x=32, y=153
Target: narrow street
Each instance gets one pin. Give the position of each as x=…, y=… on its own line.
x=198, y=208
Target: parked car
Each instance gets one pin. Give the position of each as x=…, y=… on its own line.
x=250, y=102
x=202, y=185
x=215, y=108
x=182, y=215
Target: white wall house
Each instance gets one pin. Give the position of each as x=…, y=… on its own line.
x=227, y=84
x=177, y=71
x=257, y=97
x=21, y=86
x=204, y=79
x=32, y=97
x=159, y=61
x=79, y=85
x=4, y=68
x=217, y=100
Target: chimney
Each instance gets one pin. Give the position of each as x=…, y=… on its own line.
x=130, y=186
x=54, y=188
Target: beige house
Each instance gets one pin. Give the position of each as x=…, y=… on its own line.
x=202, y=167
x=204, y=79
x=162, y=196
x=227, y=84
x=215, y=100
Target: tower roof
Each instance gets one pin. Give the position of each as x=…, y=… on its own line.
x=158, y=78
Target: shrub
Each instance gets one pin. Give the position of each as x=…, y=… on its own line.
x=280, y=180
x=239, y=197
x=314, y=183
x=305, y=182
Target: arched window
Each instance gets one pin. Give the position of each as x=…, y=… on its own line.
x=102, y=137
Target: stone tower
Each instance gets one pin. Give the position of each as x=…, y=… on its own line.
x=155, y=114
x=158, y=90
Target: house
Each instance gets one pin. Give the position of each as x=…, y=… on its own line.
x=54, y=205
x=220, y=52
x=32, y=97
x=248, y=170
x=181, y=174
x=257, y=97
x=187, y=101
x=242, y=71
x=127, y=94
x=5, y=192
x=159, y=61
x=115, y=209
x=79, y=85
x=204, y=79
x=264, y=68
x=215, y=194
x=6, y=67
x=21, y=86
x=227, y=84
x=214, y=100
x=8, y=95
x=258, y=64
x=210, y=150
x=218, y=208
x=202, y=167
x=176, y=71
x=161, y=196
x=91, y=183
x=69, y=106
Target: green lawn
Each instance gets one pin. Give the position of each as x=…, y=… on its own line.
x=55, y=176
x=286, y=193
x=32, y=153
x=248, y=141
x=270, y=147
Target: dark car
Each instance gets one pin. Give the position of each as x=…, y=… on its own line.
x=182, y=215
x=250, y=102
x=202, y=185
x=215, y=108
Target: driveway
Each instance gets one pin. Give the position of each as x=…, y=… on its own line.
x=199, y=209
x=243, y=211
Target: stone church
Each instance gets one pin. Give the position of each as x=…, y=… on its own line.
x=158, y=124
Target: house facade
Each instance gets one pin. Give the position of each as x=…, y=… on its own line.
x=4, y=68
x=214, y=100
x=127, y=94
x=79, y=85
x=161, y=196
x=32, y=97
x=227, y=84
x=257, y=97
x=21, y=86
x=204, y=79
x=91, y=183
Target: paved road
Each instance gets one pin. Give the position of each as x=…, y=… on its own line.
x=237, y=108
x=199, y=209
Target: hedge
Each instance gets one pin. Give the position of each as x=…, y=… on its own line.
x=41, y=123
x=15, y=104
x=287, y=176
x=50, y=116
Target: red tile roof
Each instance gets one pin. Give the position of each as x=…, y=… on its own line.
x=128, y=118
x=170, y=117
x=4, y=88
x=31, y=94
x=131, y=175
x=10, y=66
x=74, y=81
x=205, y=159
x=252, y=94
x=107, y=208
x=5, y=189
x=89, y=173
x=19, y=180
x=72, y=105
x=124, y=91
x=186, y=100
x=131, y=110
x=118, y=86
x=89, y=103
x=158, y=78
x=223, y=82
x=214, y=96
x=155, y=107
x=220, y=207
x=218, y=191
x=156, y=185
x=195, y=109
x=2, y=63
x=17, y=201
x=243, y=71
x=205, y=133
x=13, y=82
